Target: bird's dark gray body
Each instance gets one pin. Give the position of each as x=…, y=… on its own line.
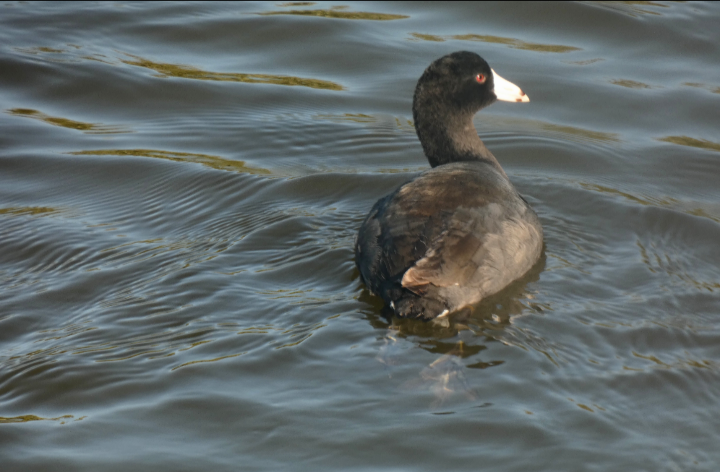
x=447, y=239
x=459, y=231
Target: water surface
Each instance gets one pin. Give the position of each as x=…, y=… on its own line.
x=180, y=189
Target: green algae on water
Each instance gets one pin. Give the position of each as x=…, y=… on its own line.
x=207, y=160
x=166, y=70
x=692, y=142
x=337, y=14
x=92, y=128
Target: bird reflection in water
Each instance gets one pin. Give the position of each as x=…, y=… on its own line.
x=444, y=377
x=454, y=339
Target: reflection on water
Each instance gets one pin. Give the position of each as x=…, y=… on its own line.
x=515, y=43
x=186, y=72
x=652, y=200
x=681, y=363
x=460, y=340
x=666, y=202
x=585, y=407
x=164, y=70
x=25, y=418
x=39, y=49
x=710, y=88
x=213, y=162
x=633, y=84
x=296, y=4
x=632, y=7
x=68, y=56
x=203, y=361
x=692, y=142
x=574, y=132
x=445, y=378
x=339, y=14
x=512, y=42
x=92, y=128
x=543, y=128
x=34, y=211
x=661, y=257
x=353, y=117
x=58, y=55
x=585, y=62
x=402, y=124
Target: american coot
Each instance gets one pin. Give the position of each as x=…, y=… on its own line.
x=459, y=231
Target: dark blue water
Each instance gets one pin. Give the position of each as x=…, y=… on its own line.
x=180, y=189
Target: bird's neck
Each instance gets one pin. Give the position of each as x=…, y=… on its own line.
x=451, y=138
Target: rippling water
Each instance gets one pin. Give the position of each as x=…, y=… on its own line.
x=180, y=188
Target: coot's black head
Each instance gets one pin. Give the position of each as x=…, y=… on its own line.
x=462, y=83
x=451, y=90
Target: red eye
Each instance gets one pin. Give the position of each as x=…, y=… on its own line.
x=480, y=78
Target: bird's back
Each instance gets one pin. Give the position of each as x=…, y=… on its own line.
x=448, y=238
